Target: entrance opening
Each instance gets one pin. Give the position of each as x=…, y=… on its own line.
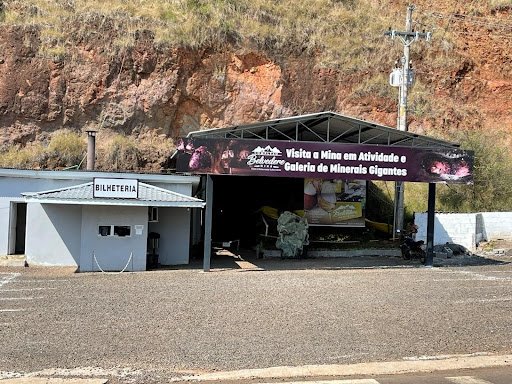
x=246, y=208
x=17, y=230
x=237, y=202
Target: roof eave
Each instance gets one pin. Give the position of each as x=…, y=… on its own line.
x=118, y=202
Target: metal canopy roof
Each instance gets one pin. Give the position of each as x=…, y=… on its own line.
x=328, y=127
x=82, y=194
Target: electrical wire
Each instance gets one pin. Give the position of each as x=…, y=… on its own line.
x=457, y=19
x=472, y=20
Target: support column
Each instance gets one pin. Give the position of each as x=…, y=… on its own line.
x=208, y=224
x=431, y=213
x=398, y=214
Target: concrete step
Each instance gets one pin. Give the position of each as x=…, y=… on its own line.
x=12, y=261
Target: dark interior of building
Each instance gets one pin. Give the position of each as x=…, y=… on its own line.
x=237, y=201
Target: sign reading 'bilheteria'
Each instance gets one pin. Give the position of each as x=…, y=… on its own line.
x=116, y=188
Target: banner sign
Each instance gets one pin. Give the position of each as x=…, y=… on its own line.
x=116, y=188
x=335, y=202
x=323, y=160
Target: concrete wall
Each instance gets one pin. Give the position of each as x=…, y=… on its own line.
x=458, y=228
x=113, y=252
x=496, y=225
x=174, y=228
x=53, y=234
x=466, y=229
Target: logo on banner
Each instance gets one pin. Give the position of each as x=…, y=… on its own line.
x=267, y=158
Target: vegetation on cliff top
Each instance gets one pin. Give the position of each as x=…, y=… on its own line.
x=347, y=34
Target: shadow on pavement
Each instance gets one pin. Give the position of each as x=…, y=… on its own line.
x=246, y=260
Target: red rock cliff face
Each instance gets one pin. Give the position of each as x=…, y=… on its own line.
x=173, y=91
x=177, y=90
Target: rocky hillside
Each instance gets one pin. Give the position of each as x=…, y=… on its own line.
x=76, y=68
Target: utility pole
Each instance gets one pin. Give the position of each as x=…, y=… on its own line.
x=403, y=78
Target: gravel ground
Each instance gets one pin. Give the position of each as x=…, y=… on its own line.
x=147, y=327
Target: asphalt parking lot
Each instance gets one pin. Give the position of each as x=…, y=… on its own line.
x=152, y=326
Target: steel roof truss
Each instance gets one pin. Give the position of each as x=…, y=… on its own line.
x=232, y=134
x=372, y=138
x=281, y=133
x=249, y=131
x=327, y=127
x=310, y=130
x=341, y=135
x=403, y=140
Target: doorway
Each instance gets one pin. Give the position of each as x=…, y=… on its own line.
x=238, y=199
x=17, y=228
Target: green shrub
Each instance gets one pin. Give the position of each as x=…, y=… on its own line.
x=118, y=153
x=379, y=201
x=492, y=174
x=492, y=188
x=28, y=157
x=66, y=149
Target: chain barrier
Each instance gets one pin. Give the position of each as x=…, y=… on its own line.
x=121, y=271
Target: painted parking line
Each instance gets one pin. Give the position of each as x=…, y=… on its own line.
x=52, y=380
x=42, y=281
x=355, y=381
x=20, y=298
x=13, y=310
x=444, y=357
x=491, y=300
x=7, y=278
x=467, y=380
x=26, y=289
x=471, y=275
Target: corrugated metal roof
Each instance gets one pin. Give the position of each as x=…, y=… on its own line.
x=148, y=195
x=329, y=127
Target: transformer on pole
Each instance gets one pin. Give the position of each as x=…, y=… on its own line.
x=403, y=78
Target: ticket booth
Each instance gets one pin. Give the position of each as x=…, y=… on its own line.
x=97, y=221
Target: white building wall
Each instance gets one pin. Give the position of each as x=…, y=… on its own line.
x=15, y=186
x=112, y=252
x=496, y=225
x=5, y=205
x=184, y=189
x=174, y=229
x=53, y=234
x=457, y=228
